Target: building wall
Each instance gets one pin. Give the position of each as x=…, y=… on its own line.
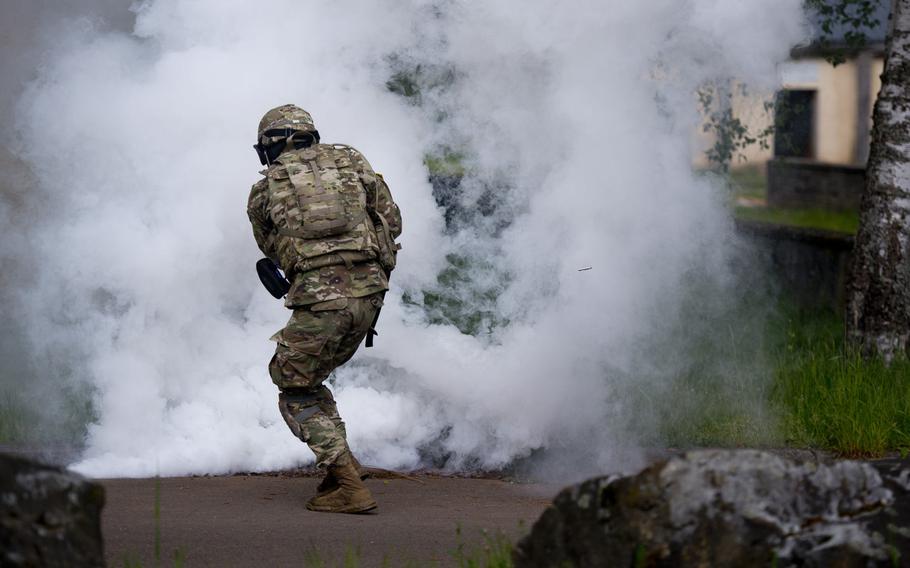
x=837, y=138
x=750, y=109
x=809, y=265
x=836, y=102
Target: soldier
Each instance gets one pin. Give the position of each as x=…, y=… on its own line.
x=328, y=220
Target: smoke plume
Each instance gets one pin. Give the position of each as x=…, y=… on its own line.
x=573, y=126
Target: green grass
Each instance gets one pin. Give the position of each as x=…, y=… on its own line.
x=749, y=181
x=698, y=412
x=795, y=384
x=35, y=418
x=716, y=401
x=14, y=419
x=834, y=399
x=824, y=219
x=494, y=552
x=179, y=555
x=838, y=401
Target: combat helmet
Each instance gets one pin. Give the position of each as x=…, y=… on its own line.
x=283, y=125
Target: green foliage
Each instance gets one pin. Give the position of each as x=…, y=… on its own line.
x=465, y=296
x=731, y=135
x=413, y=80
x=445, y=163
x=853, y=16
x=809, y=218
x=404, y=84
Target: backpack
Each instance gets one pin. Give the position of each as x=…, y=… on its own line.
x=317, y=199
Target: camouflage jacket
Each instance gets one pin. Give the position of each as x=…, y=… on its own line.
x=317, y=275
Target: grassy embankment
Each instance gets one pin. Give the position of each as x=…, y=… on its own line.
x=824, y=393
x=750, y=186
x=838, y=221
x=805, y=389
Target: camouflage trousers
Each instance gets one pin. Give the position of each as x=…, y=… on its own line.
x=316, y=340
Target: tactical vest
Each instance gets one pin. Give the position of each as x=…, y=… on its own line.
x=319, y=207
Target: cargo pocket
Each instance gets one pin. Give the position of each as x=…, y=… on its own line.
x=330, y=305
x=296, y=362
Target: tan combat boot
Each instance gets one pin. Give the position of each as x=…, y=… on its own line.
x=351, y=495
x=329, y=483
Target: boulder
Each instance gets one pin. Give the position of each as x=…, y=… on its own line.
x=48, y=516
x=729, y=508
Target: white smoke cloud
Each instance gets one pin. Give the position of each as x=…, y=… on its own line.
x=581, y=115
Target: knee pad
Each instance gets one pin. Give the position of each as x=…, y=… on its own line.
x=300, y=406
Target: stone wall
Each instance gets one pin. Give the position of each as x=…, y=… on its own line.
x=806, y=183
x=809, y=266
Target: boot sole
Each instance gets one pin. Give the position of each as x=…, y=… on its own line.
x=355, y=508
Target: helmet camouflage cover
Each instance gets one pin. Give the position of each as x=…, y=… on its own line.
x=284, y=118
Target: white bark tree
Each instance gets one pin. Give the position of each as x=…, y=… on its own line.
x=878, y=301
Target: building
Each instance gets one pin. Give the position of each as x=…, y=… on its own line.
x=823, y=118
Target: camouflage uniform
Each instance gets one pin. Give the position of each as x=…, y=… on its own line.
x=336, y=282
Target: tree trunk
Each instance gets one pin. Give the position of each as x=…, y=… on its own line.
x=878, y=302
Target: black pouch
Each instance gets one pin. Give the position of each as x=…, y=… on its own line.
x=272, y=278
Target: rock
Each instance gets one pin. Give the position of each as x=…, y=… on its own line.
x=729, y=508
x=48, y=516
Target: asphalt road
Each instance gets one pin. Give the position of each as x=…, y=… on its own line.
x=260, y=520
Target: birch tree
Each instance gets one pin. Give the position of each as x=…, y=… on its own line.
x=878, y=301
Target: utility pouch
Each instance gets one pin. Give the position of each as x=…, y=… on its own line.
x=388, y=248
x=272, y=278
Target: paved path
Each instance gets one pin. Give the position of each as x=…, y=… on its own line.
x=261, y=520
